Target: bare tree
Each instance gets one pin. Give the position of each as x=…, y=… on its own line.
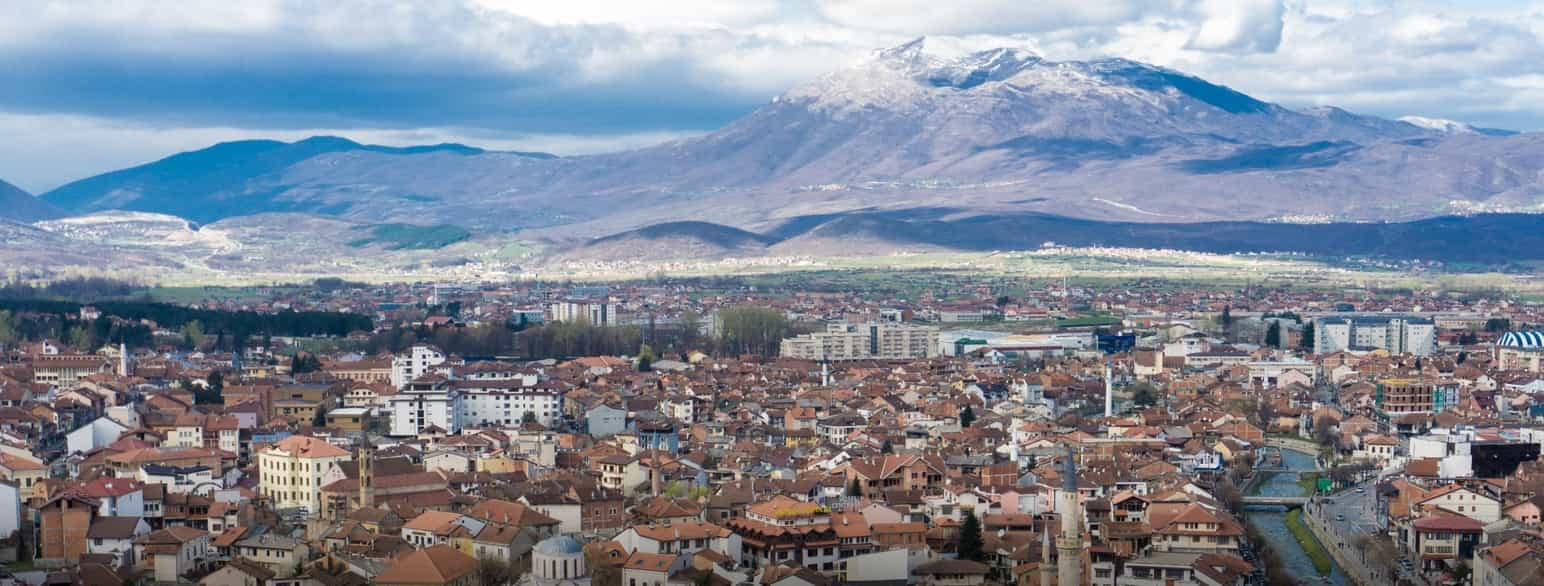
x=494, y=572
x=1324, y=434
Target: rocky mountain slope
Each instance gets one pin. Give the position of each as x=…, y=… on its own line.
x=998, y=132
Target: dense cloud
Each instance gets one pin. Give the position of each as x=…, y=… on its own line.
x=585, y=75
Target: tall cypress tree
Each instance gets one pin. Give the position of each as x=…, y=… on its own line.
x=971, y=547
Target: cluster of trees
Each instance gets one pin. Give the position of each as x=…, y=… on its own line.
x=749, y=329
x=578, y=338
x=304, y=362
x=480, y=340
x=213, y=391
x=74, y=289
x=84, y=335
x=240, y=324
x=740, y=330
x=1143, y=394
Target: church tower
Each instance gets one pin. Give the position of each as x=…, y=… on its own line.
x=365, y=455
x=1069, y=544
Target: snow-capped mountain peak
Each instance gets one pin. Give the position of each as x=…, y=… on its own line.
x=1439, y=124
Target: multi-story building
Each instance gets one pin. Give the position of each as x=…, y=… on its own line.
x=1510, y=563
x=877, y=340
x=64, y=369
x=1398, y=334
x=365, y=370
x=785, y=531
x=290, y=472
x=424, y=403
x=1401, y=396
x=506, y=402
x=597, y=313
x=1521, y=351
x=421, y=359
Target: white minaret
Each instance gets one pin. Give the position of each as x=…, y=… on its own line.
x=1109, y=391
x=1069, y=543
x=123, y=359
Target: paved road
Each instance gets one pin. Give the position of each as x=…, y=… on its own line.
x=1351, y=513
x=1348, y=515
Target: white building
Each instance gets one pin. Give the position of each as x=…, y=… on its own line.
x=877, y=340
x=199, y=480
x=597, y=313
x=1398, y=334
x=420, y=360
x=100, y=432
x=10, y=509
x=505, y=402
x=422, y=404
x=557, y=561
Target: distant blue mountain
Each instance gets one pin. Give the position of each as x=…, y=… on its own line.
x=228, y=179
x=20, y=206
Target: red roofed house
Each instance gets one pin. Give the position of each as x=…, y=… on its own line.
x=1439, y=539
x=438, y=565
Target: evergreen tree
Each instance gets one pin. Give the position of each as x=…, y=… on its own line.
x=855, y=489
x=212, y=393
x=887, y=448
x=1273, y=334
x=1144, y=396
x=1306, y=342
x=967, y=416
x=645, y=358
x=970, y=545
x=1227, y=318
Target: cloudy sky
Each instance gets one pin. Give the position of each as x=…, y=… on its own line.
x=92, y=85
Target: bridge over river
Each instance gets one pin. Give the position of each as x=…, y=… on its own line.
x=1283, y=501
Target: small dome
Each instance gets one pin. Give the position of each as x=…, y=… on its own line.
x=1524, y=339
x=559, y=545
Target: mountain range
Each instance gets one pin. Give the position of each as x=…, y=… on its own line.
x=1000, y=136
x=19, y=205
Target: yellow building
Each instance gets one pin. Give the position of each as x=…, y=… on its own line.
x=290, y=472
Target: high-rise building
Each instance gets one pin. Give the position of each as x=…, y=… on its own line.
x=866, y=341
x=1398, y=334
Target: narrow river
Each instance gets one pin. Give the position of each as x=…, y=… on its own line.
x=1272, y=523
